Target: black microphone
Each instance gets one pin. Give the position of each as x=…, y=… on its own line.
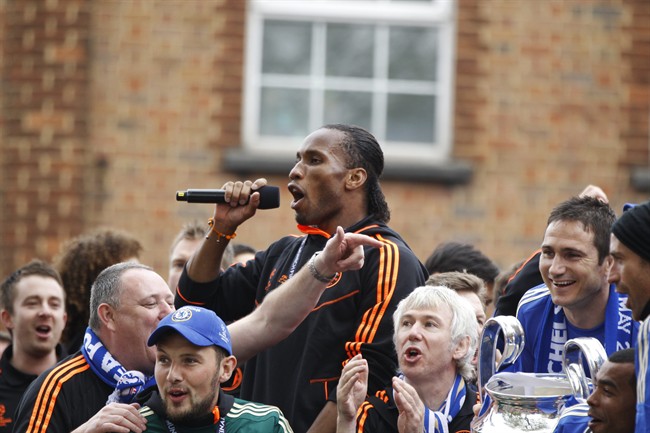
x=269, y=196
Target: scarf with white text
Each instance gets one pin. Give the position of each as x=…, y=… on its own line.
x=619, y=332
x=127, y=383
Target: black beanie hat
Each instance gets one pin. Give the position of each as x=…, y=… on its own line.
x=632, y=229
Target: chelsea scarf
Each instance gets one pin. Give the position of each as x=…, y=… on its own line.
x=438, y=421
x=126, y=383
x=619, y=332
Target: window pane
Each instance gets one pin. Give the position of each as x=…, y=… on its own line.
x=286, y=47
x=410, y=118
x=284, y=112
x=412, y=54
x=350, y=50
x=348, y=107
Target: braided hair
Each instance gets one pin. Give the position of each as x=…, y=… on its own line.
x=363, y=150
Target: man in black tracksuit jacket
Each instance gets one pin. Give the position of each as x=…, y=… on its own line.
x=334, y=183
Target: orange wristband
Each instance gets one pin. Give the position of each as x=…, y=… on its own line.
x=218, y=233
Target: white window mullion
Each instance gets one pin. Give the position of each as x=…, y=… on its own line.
x=253, y=68
x=445, y=85
x=317, y=93
x=380, y=83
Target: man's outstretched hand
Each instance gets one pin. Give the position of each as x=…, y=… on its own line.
x=344, y=252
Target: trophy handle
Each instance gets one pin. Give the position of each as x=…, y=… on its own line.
x=513, y=344
x=578, y=352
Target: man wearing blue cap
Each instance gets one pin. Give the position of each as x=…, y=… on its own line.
x=630, y=248
x=193, y=357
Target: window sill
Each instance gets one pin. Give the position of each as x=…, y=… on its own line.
x=640, y=179
x=451, y=172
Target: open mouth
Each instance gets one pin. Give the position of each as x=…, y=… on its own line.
x=563, y=284
x=43, y=330
x=594, y=421
x=176, y=395
x=412, y=353
x=297, y=194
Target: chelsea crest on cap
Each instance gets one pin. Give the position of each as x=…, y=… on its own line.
x=200, y=326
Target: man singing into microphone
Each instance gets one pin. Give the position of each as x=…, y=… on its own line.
x=335, y=186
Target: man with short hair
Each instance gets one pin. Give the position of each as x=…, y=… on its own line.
x=611, y=407
x=576, y=299
x=193, y=357
x=32, y=302
x=630, y=249
x=126, y=303
x=183, y=246
x=526, y=275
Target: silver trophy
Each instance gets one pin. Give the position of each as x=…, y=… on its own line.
x=529, y=402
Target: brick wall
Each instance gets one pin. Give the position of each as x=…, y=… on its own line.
x=109, y=107
x=636, y=53
x=166, y=103
x=44, y=126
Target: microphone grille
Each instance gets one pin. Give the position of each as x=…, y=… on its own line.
x=269, y=197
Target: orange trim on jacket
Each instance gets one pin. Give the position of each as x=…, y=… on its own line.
x=49, y=391
x=524, y=264
x=386, y=281
x=180, y=295
x=362, y=415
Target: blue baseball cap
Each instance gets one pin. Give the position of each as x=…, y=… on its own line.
x=200, y=326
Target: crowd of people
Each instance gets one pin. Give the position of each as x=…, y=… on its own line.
x=340, y=329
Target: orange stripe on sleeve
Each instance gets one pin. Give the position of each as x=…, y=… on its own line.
x=386, y=282
x=334, y=301
x=362, y=415
x=361, y=333
x=45, y=401
x=178, y=293
x=58, y=389
x=512, y=277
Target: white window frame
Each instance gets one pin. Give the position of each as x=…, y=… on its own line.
x=439, y=12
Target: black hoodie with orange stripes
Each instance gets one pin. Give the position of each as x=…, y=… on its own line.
x=62, y=398
x=354, y=315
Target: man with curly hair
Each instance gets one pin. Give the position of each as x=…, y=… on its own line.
x=79, y=262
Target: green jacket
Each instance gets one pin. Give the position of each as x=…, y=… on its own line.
x=240, y=417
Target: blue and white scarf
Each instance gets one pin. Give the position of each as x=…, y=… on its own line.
x=620, y=332
x=127, y=383
x=438, y=421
